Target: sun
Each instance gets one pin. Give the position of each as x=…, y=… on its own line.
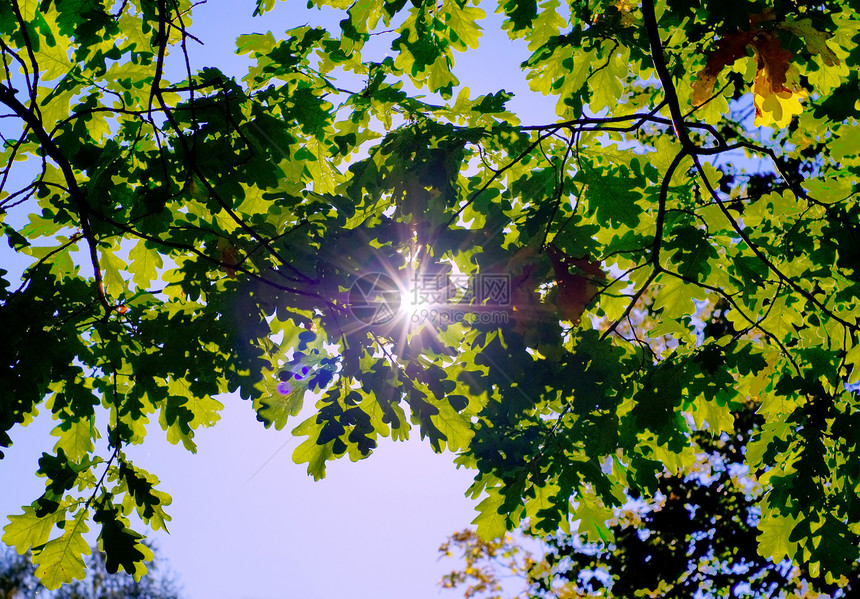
x=408, y=299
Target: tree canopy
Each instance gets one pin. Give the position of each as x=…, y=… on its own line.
x=18, y=580
x=565, y=305
x=695, y=537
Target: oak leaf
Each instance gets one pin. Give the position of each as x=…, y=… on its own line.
x=816, y=41
x=773, y=62
x=776, y=101
x=729, y=49
x=776, y=94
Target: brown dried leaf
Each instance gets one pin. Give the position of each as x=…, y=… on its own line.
x=777, y=99
x=773, y=62
x=729, y=49
x=228, y=256
x=576, y=279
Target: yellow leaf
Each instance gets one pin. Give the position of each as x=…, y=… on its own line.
x=719, y=418
x=777, y=109
x=776, y=95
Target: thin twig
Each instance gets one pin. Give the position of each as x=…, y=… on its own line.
x=771, y=266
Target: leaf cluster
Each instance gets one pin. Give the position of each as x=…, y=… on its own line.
x=669, y=258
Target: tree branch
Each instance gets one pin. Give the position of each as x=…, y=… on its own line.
x=50, y=148
x=661, y=205
x=663, y=73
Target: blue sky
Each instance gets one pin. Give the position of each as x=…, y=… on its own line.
x=248, y=522
x=370, y=529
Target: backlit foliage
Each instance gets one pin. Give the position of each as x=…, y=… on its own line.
x=681, y=239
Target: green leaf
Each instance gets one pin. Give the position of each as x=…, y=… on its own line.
x=141, y=492
x=462, y=21
x=60, y=560
x=592, y=518
x=111, y=265
x=311, y=452
x=120, y=544
x=773, y=540
x=676, y=297
x=836, y=547
x=280, y=399
x=693, y=251
x=28, y=530
x=319, y=161
x=145, y=263
x=491, y=523
x=613, y=198
x=76, y=438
